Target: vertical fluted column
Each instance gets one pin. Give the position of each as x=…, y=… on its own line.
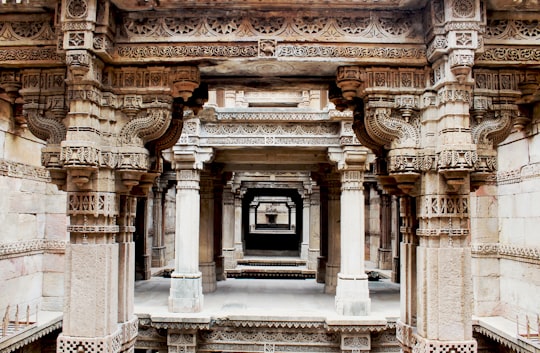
x=186, y=280
x=352, y=293
x=304, y=246
x=385, y=247
x=334, y=234
x=207, y=265
x=314, y=228
x=228, y=228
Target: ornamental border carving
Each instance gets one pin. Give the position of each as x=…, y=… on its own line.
x=19, y=55
x=518, y=175
x=507, y=251
x=416, y=54
x=25, y=171
x=508, y=55
x=34, y=246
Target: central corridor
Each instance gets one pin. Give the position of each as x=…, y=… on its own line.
x=259, y=298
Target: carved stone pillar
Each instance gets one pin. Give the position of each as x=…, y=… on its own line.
x=352, y=293
x=314, y=228
x=334, y=233
x=158, y=241
x=323, y=257
x=206, y=231
x=304, y=246
x=186, y=280
x=228, y=227
x=385, y=249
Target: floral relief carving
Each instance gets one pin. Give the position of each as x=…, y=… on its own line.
x=513, y=29
x=76, y=8
x=364, y=25
x=463, y=8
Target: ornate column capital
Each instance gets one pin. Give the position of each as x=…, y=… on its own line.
x=192, y=157
x=349, y=80
x=349, y=157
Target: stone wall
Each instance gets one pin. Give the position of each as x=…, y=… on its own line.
x=519, y=220
x=33, y=223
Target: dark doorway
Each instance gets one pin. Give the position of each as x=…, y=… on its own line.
x=272, y=222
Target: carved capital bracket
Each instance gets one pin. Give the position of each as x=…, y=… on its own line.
x=191, y=157
x=184, y=80
x=349, y=157
x=349, y=80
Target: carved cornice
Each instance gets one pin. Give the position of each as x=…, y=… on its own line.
x=529, y=171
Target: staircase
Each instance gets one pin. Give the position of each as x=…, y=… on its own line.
x=271, y=268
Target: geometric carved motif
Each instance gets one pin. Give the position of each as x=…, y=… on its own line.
x=442, y=205
x=92, y=203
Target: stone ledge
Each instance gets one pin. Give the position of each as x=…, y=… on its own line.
x=504, y=332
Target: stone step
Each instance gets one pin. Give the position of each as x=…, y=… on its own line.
x=281, y=272
x=271, y=261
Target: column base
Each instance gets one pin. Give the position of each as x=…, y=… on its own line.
x=330, y=280
x=229, y=262
x=208, y=270
x=186, y=293
x=304, y=251
x=238, y=251
x=352, y=295
x=313, y=255
x=384, y=259
x=158, y=256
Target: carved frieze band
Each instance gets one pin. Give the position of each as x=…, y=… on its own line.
x=35, y=246
x=416, y=54
x=372, y=26
x=526, y=172
x=508, y=55
x=25, y=171
x=507, y=251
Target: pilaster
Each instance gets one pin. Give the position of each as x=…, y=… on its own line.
x=314, y=228
x=334, y=233
x=206, y=229
x=385, y=249
x=228, y=227
x=158, y=241
x=306, y=209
